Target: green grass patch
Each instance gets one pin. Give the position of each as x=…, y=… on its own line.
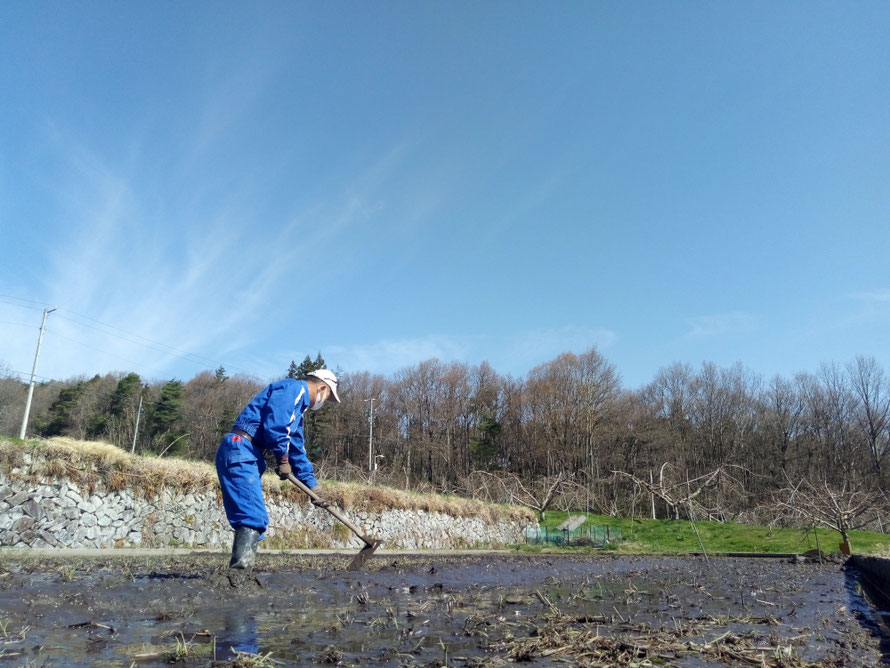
x=679, y=537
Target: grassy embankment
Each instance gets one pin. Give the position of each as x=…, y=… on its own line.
x=100, y=467
x=679, y=537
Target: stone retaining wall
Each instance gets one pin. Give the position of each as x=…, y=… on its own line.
x=59, y=513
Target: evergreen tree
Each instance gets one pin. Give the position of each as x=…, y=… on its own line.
x=166, y=418
x=318, y=363
x=221, y=375
x=484, y=449
x=77, y=411
x=61, y=409
x=168, y=408
x=227, y=417
x=126, y=395
x=120, y=419
x=305, y=367
x=316, y=424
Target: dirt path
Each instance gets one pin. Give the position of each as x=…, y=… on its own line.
x=431, y=610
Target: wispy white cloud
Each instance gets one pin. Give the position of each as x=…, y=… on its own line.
x=204, y=281
x=862, y=309
x=389, y=355
x=112, y=263
x=117, y=265
x=530, y=348
x=515, y=354
x=710, y=326
x=881, y=296
x=228, y=99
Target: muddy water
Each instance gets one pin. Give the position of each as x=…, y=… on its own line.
x=419, y=611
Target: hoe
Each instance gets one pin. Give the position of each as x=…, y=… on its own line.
x=371, y=544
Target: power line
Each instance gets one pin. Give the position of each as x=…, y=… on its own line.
x=99, y=350
x=22, y=324
x=119, y=333
x=5, y=300
x=25, y=374
x=149, y=343
x=22, y=299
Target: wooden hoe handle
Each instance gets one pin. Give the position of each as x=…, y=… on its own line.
x=333, y=511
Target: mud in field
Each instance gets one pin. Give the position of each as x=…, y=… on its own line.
x=485, y=610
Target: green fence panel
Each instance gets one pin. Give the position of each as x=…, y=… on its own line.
x=595, y=536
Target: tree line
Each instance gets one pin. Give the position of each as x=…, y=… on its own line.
x=711, y=440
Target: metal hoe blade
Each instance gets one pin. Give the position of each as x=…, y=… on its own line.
x=371, y=544
x=362, y=557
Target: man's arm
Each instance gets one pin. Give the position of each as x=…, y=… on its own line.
x=280, y=419
x=299, y=461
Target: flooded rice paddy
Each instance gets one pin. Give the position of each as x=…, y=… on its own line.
x=479, y=610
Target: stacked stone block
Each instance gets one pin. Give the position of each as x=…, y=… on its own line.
x=60, y=514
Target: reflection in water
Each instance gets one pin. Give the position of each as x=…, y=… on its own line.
x=239, y=634
x=871, y=607
x=431, y=611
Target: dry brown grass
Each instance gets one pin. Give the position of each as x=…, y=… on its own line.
x=351, y=495
x=306, y=537
x=89, y=464
x=574, y=640
x=93, y=464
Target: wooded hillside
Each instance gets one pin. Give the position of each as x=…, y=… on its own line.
x=708, y=441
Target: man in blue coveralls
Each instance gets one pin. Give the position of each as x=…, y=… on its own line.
x=273, y=422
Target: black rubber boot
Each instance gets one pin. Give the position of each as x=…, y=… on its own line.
x=244, y=548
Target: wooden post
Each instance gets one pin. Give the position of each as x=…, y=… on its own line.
x=651, y=495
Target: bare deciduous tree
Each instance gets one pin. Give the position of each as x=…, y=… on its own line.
x=537, y=495
x=678, y=495
x=12, y=400
x=840, y=507
x=872, y=410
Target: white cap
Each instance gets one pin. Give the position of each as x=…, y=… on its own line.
x=329, y=379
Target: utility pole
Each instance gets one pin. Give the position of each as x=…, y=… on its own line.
x=138, y=413
x=371, y=436
x=46, y=312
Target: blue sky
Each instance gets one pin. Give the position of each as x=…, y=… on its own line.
x=195, y=184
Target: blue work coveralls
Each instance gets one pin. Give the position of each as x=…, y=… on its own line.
x=274, y=421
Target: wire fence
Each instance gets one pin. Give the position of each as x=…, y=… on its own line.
x=585, y=536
